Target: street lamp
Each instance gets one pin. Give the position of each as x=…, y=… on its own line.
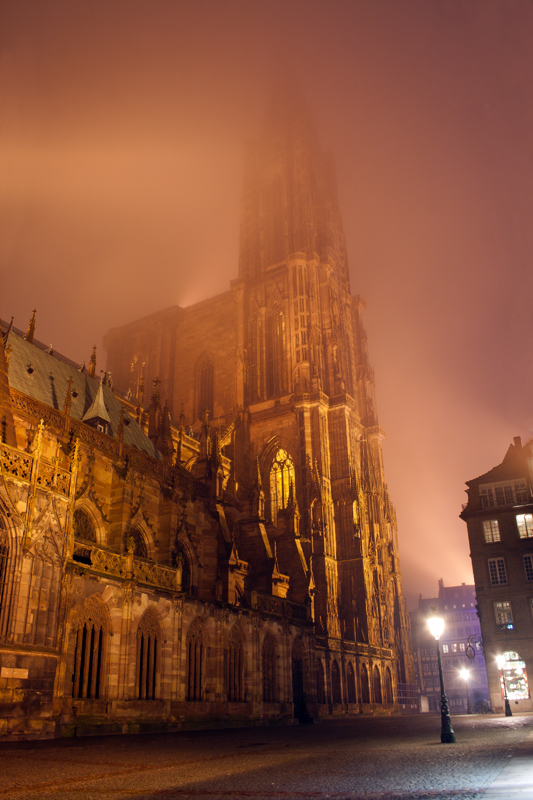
x=465, y=675
x=500, y=660
x=447, y=735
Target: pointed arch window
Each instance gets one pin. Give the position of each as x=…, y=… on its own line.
x=268, y=665
x=365, y=688
x=336, y=695
x=4, y=556
x=350, y=683
x=274, y=354
x=319, y=675
x=135, y=538
x=389, y=698
x=148, y=644
x=195, y=662
x=376, y=681
x=255, y=359
x=206, y=388
x=182, y=560
x=87, y=681
x=83, y=527
x=281, y=478
x=235, y=667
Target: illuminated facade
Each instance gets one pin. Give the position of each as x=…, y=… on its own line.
x=291, y=401
x=499, y=518
x=225, y=551
x=461, y=649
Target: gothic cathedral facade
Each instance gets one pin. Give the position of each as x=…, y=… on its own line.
x=211, y=542
x=278, y=365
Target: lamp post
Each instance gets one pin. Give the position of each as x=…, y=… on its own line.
x=465, y=675
x=447, y=735
x=500, y=660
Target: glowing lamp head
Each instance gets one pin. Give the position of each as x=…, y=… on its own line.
x=464, y=673
x=436, y=626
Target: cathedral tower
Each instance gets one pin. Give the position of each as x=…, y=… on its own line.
x=280, y=365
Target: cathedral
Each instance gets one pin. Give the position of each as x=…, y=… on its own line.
x=204, y=536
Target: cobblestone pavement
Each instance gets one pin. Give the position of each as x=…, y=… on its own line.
x=399, y=758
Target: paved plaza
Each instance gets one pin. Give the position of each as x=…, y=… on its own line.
x=358, y=759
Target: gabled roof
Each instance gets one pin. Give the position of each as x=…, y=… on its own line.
x=515, y=464
x=98, y=408
x=45, y=378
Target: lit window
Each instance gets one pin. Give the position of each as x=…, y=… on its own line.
x=281, y=479
x=528, y=565
x=454, y=648
x=504, y=617
x=462, y=647
x=525, y=525
x=491, y=530
x=497, y=571
x=445, y=648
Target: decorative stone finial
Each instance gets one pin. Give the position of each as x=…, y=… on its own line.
x=31, y=327
x=92, y=363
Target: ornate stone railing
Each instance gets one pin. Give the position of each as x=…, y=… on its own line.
x=154, y=575
x=279, y=606
x=92, y=558
x=20, y=465
x=15, y=463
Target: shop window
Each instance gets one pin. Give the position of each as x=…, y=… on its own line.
x=515, y=676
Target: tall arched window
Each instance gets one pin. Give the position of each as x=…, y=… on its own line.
x=365, y=688
x=376, y=686
x=350, y=683
x=281, y=478
x=389, y=698
x=206, y=388
x=235, y=666
x=89, y=655
x=255, y=359
x=274, y=354
x=83, y=527
x=195, y=661
x=181, y=558
x=4, y=555
x=319, y=676
x=136, y=538
x=268, y=665
x=148, y=644
x=336, y=694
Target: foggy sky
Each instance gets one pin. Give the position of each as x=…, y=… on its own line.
x=122, y=128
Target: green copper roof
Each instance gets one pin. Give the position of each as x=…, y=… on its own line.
x=45, y=377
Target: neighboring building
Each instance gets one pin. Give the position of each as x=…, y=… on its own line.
x=226, y=552
x=499, y=517
x=461, y=648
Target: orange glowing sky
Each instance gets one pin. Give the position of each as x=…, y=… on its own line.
x=121, y=140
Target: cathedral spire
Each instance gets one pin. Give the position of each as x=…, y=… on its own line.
x=290, y=196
